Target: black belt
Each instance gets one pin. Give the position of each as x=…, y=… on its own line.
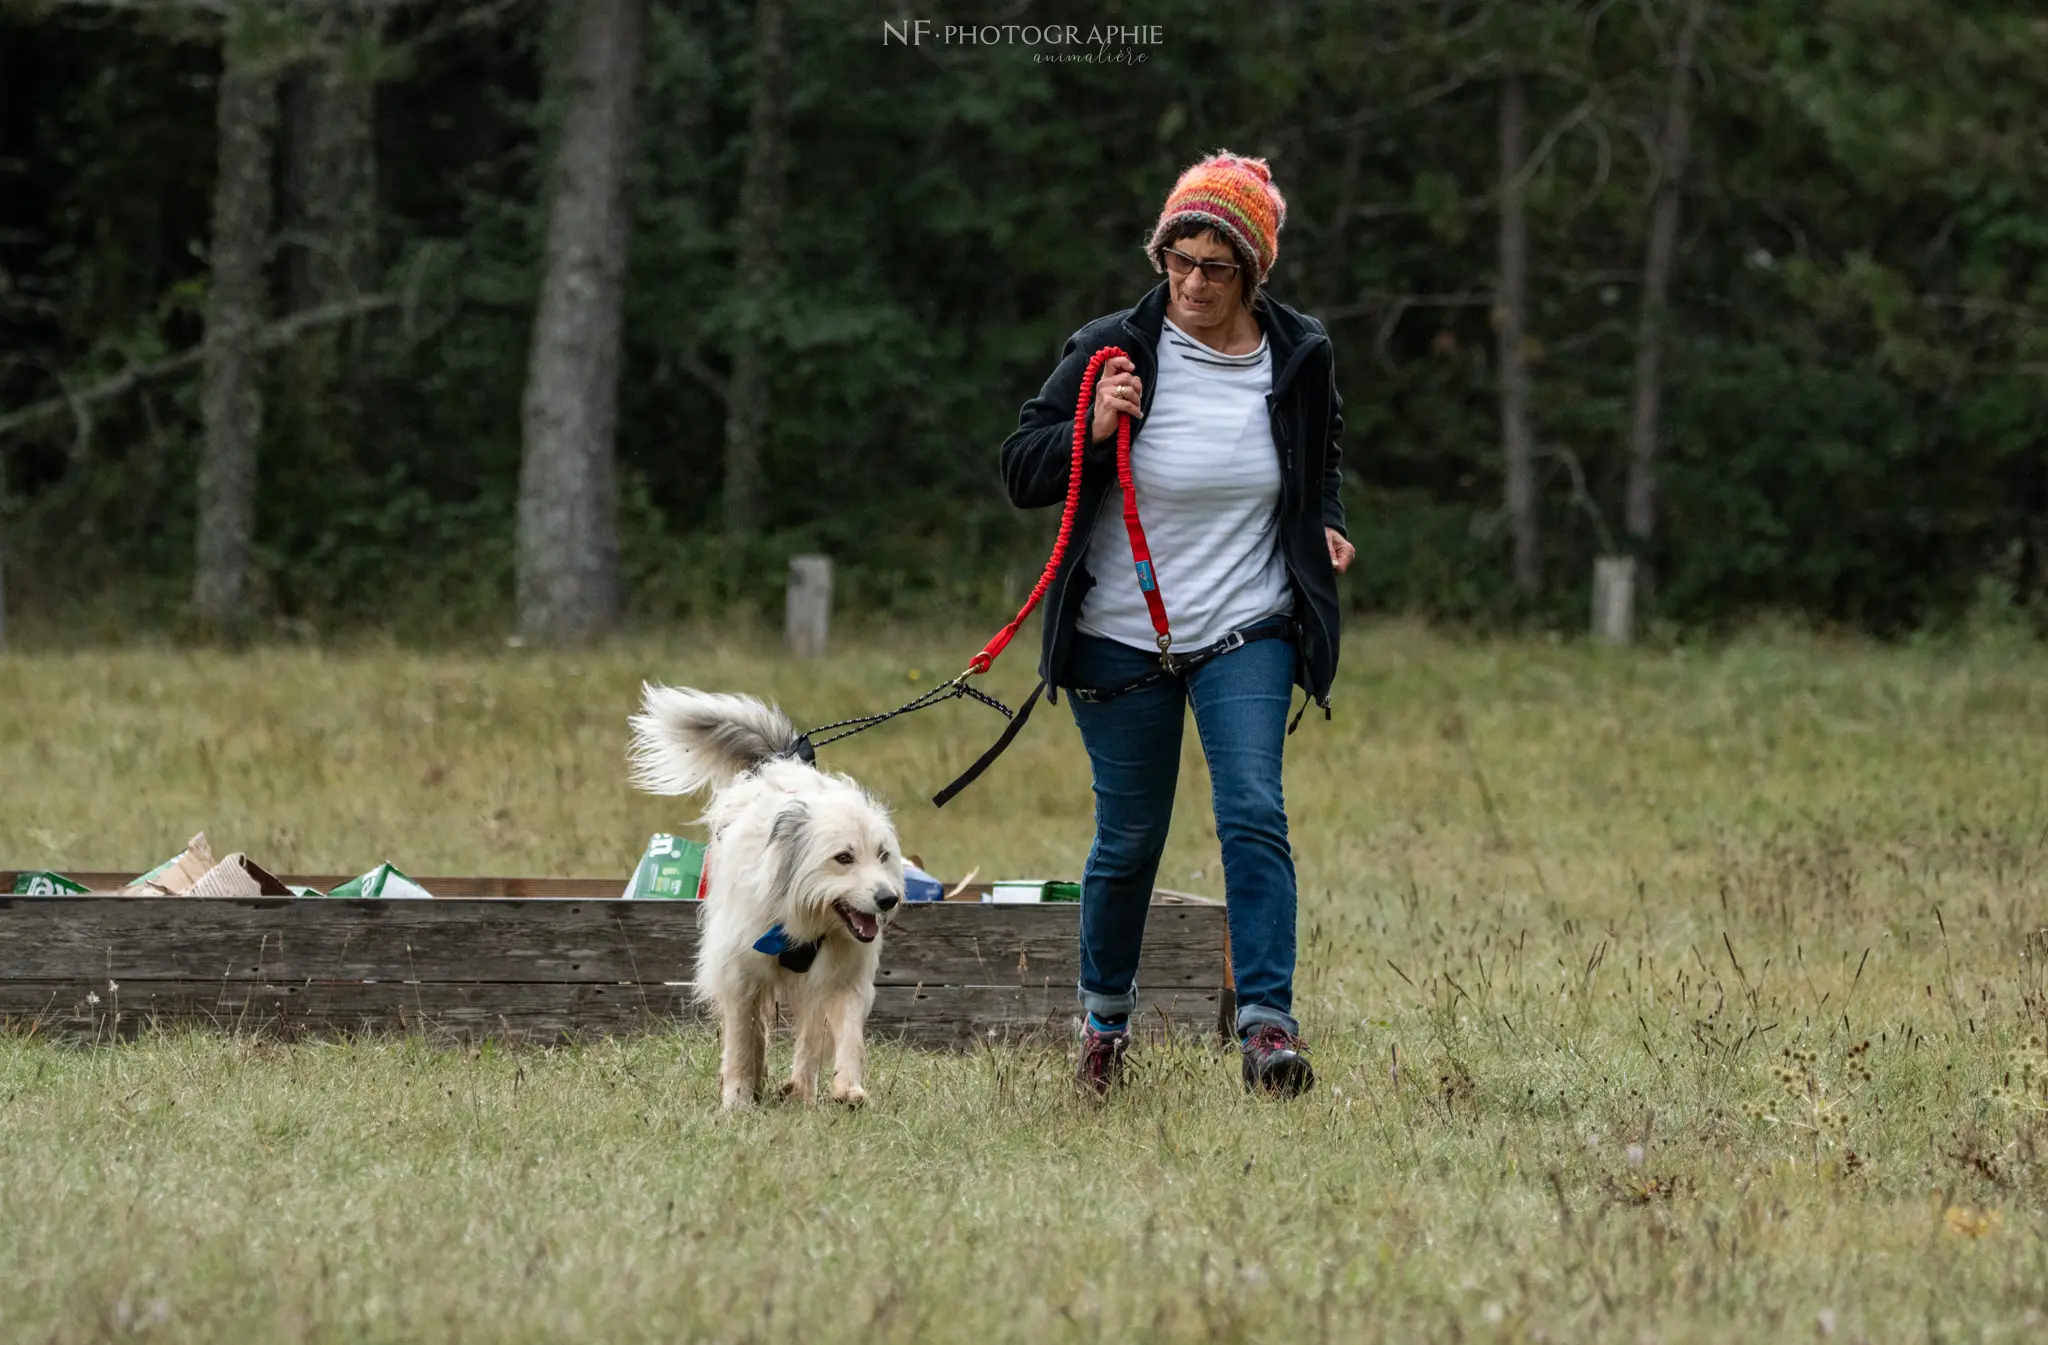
x=1180, y=665
x=1172, y=665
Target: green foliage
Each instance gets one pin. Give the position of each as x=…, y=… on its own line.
x=1856, y=383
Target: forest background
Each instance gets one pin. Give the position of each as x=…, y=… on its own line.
x=433, y=316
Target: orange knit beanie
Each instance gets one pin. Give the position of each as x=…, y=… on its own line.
x=1237, y=196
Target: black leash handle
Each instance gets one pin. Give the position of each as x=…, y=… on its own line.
x=968, y=777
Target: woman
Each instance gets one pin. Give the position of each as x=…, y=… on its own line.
x=1236, y=466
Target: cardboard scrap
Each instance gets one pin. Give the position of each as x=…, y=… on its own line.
x=176, y=876
x=239, y=876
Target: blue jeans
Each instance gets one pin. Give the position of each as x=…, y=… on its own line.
x=1240, y=700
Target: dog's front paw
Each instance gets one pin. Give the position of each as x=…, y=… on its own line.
x=795, y=1090
x=853, y=1095
x=738, y=1097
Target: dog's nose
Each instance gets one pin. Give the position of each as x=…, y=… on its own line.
x=885, y=900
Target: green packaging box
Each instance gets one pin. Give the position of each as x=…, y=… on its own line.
x=383, y=883
x=46, y=885
x=671, y=870
x=1026, y=891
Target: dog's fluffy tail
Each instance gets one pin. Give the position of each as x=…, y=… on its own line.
x=685, y=739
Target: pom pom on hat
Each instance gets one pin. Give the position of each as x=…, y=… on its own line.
x=1234, y=194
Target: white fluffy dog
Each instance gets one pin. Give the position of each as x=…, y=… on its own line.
x=794, y=849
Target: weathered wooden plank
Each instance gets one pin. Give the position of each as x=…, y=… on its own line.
x=942, y=944
x=807, y=605
x=581, y=889
x=471, y=885
x=287, y=939
x=534, y=1013
x=507, y=940
x=511, y=1011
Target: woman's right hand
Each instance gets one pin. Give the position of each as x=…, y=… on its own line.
x=1118, y=391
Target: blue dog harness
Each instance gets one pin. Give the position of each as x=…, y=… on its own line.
x=795, y=956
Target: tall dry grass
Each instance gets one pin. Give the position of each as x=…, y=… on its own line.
x=1592, y=942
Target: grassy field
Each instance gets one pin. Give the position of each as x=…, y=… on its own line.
x=1564, y=914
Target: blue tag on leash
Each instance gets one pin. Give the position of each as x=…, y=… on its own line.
x=1145, y=583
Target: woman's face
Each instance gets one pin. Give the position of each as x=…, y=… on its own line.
x=1196, y=295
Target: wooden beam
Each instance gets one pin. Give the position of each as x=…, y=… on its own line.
x=1614, y=590
x=469, y=885
x=552, y=941
x=109, y=881
x=807, y=606
x=536, y=1013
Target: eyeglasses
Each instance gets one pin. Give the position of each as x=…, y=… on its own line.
x=1216, y=273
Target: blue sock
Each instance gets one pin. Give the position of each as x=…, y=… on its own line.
x=1114, y=1024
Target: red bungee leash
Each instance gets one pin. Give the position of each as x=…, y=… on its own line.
x=1141, y=555
x=1140, y=552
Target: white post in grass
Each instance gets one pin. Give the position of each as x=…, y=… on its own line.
x=1614, y=599
x=807, y=614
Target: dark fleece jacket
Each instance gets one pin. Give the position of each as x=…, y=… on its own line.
x=1308, y=420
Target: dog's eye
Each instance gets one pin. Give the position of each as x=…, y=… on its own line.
x=844, y=857
x=884, y=856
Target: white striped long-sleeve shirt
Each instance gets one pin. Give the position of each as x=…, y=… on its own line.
x=1208, y=484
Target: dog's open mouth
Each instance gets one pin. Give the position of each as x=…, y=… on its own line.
x=862, y=924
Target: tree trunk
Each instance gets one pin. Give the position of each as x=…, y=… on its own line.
x=3, y=550
x=331, y=178
x=1673, y=148
x=329, y=231
x=568, y=550
x=1510, y=315
x=230, y=402
x=758, y=229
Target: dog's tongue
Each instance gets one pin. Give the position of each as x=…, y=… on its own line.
x=863, y=924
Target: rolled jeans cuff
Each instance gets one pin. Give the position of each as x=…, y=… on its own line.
x=1251, y=1016
x=1109, y=1006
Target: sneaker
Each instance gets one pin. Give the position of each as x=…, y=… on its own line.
x=1276, y=1061
x=1102, y=1060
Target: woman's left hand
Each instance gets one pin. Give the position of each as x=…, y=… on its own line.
x=1341, y=550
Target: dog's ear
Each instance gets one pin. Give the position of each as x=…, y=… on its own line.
x=789, y=837
x=789, y=823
